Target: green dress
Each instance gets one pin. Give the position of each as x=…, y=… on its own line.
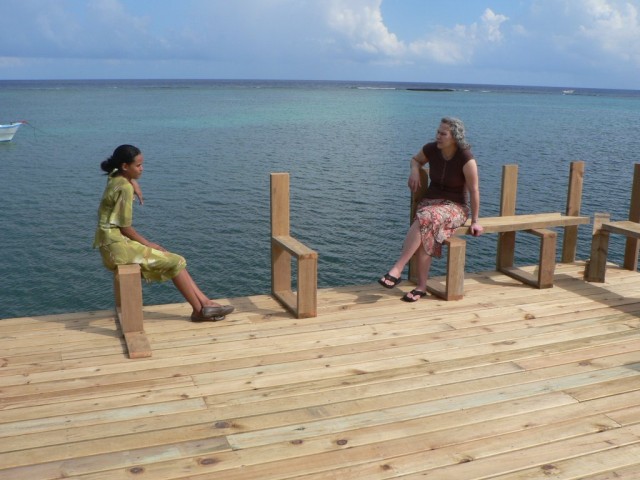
x=115, y=211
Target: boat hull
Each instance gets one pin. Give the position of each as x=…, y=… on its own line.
x=8, y=131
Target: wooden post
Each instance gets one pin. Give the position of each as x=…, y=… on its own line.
x=574, y=201
x=280, y=258
x=507, y=241
x=595, y=269
x=547, y=262
x=631, y=246
x=128, y=295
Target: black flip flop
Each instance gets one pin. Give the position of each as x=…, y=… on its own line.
x=417, y=295
x=395, y=281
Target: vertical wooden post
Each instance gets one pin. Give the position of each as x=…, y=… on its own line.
x=631, y=246
x=307, y=297
x=574, y=201
x=595, y=269
x=507, y=241
x=128, y=294
x=547, y=262
x=456, y=255
x=280, y=258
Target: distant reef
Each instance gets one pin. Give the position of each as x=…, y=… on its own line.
x=431, y=89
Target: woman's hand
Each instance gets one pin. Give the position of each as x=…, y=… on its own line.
x=137, y=190
x=155, y=246
x=476, y=229
x=414, y=181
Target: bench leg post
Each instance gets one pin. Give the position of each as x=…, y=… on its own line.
x=307, y=287
x=631, y=254
x=547, y=265
x=280, y=269
x=128, y=295
x=455, y=268
x=506, y=250
x=454, y=279
x=596, y=266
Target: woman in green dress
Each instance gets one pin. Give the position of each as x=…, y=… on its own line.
x=120, y=243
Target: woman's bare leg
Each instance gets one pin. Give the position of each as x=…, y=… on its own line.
x=190, y=291
x=423, y=263
x=412, y=243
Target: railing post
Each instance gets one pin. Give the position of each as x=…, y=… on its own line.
x=574, y=202
x=631, y=247
x=507, y=241
x=280, y=258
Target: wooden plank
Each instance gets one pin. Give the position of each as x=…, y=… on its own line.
x=294, y=247
x=505, y=381
x=624, y=227
x=524, y=222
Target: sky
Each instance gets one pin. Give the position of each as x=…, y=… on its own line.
x=563, y=43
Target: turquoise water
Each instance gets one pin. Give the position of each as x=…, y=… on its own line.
x=210, y=146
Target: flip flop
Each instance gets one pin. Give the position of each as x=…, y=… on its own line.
x=211, y=311
x=417, y=295
x=394, y=281
x=202, y=318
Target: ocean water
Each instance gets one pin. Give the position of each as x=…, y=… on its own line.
x=209, y=149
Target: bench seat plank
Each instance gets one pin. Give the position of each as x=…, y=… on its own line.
x=625, y=227
x=293, y=246
x=514, y=223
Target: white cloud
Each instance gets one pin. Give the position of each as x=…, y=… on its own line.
x=361, y=22
x=491, y=23
x=596, y=32
x=614, y=27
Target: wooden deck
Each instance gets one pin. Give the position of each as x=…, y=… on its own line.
x=509, y=383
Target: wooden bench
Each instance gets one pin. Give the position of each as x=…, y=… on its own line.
x=303, y=303
x=603, y=227
x=506, y=225
x=127, y=284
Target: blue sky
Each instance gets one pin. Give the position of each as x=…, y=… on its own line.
x=568, y=43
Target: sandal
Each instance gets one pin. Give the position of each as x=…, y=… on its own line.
x=417, y=295
x=216, y=311
x=394, y=281
x=202, y=318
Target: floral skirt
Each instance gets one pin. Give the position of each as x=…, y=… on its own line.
x=438, y=221
x=155, y=265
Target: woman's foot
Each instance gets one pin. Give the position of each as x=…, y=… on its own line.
x=414, y=295
x=389, y=281
x=216, y=310
x=199, y=317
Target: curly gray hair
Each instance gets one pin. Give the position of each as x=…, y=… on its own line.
x=457, y=131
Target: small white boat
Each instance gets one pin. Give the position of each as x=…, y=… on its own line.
x=567, y=92
x=9, y=130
